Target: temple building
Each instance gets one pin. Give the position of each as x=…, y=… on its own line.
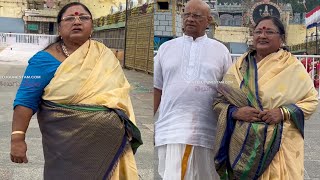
x=233, y=22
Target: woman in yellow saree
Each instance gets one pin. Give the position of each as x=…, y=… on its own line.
x=83, y=106
x=87, y=101
x=264, y=99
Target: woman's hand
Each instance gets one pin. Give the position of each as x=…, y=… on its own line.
x=246, y=113
x=18, y=149
x=273, y=116
x=20, y=122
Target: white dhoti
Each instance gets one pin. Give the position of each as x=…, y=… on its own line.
x=186, y=162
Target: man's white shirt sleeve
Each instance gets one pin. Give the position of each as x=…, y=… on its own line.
x=158, y=78
x=228, y=62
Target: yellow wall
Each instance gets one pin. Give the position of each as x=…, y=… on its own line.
x=12, y=9
x=296, y=34
x=100, y=8
x=232, y=34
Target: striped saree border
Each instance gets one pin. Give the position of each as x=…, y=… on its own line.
x=297, y=117
x=115, y=160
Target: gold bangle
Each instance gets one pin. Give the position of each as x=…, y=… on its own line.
x=282, y=113
x=287, y=113
x=18, y=132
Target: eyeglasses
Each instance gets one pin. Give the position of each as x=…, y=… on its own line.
x=195, y=16
x=71, y=19
x=266, y=32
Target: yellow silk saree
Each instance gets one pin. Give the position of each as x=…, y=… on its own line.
x=87, y=120
x=259, y=150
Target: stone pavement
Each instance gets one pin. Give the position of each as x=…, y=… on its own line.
x=312, y=147
x=24, y=51
x=142, y=99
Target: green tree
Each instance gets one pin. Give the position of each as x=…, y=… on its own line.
x=311, y=4
x=298, y=5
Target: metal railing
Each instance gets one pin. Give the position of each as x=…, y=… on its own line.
x=39, y=39
x=42, y=39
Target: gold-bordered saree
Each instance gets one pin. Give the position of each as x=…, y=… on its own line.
x=259, y=150
x=86, y=119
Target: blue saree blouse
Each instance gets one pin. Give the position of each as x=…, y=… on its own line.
x=41, y=69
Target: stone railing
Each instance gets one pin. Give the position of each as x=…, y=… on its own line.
x=229, y=7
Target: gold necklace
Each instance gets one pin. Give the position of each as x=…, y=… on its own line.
x=64, y=49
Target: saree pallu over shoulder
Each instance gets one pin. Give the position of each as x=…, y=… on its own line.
x=245, y=150
x=77, y=141
x=91, y=75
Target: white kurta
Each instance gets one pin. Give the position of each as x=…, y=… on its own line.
x=187, y=71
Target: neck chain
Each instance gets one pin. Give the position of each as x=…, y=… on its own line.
x=64, y=49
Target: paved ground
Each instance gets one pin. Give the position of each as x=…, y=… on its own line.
x=312, y=146
x=18, y=53
x=142, y=98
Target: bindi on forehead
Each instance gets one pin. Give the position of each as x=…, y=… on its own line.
x=75, y=13
x=265, y=28
x=266, y=24
x=75, y=10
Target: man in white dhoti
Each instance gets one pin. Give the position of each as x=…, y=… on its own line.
x=186, y=72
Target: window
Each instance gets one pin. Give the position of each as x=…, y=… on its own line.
x=163, y=5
